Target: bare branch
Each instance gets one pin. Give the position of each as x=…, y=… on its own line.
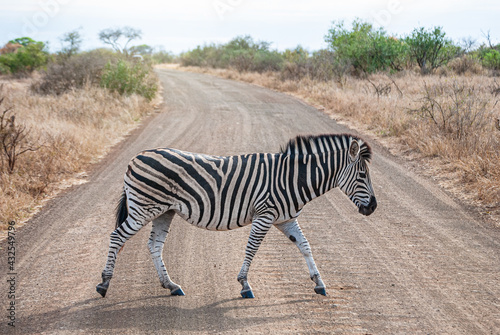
x=400, y=92
x=380, y=89
x=13, y=140
x=487, y=35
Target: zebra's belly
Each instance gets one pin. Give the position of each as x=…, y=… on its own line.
x=215, y=223
x=230, y=221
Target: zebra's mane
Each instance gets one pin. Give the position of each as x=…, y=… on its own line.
x=313, y=144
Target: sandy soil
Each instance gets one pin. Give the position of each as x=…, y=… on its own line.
x=421, y=264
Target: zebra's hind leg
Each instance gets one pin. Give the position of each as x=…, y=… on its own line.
x=118, y=237
x=257, y=234
x=159, y=232
x=292, y=230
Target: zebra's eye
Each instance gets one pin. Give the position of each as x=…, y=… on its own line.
x=362, y=175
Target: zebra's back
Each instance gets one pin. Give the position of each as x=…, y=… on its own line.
x=212, y=192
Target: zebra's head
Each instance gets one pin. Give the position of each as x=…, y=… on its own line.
x=354, y=178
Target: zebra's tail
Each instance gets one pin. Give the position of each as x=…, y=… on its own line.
x=121, y=213
x=121, y=210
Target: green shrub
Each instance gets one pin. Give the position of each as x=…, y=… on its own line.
x=241, y=60
x=4, y=69
x=366, y=48
x=201, y=56
x=74, y=72
x=267, y=61
x=241, y=53
x=299, y=55
x=126, y=79
x=491, y=59
x=430, y=49
x=29, y=57
x=161, y=57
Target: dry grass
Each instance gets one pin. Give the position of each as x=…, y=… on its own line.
x=72, y=131
x=459, y=145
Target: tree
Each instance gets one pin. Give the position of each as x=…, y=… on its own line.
x=24, y=41
x=27, y=58
x=142, y=49
x=366, y=48
x=430, y=48
x=115, y=37
x=71, y=43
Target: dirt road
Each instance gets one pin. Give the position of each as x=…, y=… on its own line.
x=421, y=264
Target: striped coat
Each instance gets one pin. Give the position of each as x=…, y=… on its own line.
x=223, y=193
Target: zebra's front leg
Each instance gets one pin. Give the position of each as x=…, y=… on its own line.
x=159, y=232
x=292, y=230
x=257, y=234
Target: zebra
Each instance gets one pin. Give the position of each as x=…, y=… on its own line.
x=224, y=193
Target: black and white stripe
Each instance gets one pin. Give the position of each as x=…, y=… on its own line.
x=223, y=193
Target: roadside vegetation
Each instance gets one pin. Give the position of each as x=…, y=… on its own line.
x=60, y=112
x=425, y=96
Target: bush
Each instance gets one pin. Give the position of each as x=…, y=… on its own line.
x=241, y=60
x=367, y=49
x=267, y=61
x=296, y=63
x=25, y=59
x=241, y=53
x=325, y=65
x=162, y=57
x=98, y=67
x=430, y=49
x=244, y=54
x=491, y=60
x=4, y=69
x=126, y=79
x=457, y=109
x=465, y=65
x=74, y=72
x=208, y=55
x=293, y=71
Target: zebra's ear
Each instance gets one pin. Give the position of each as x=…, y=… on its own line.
x=354, y=150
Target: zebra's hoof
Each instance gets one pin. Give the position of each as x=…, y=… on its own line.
x=320, y=290
x=102, y=288
x=247, y=294
x=178, y=291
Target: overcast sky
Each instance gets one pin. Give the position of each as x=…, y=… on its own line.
x=181, y=25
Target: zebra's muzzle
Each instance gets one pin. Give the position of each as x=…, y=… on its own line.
x=367, y=210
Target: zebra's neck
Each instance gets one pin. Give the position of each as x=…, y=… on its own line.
x=317, y=174
x=319, y=160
